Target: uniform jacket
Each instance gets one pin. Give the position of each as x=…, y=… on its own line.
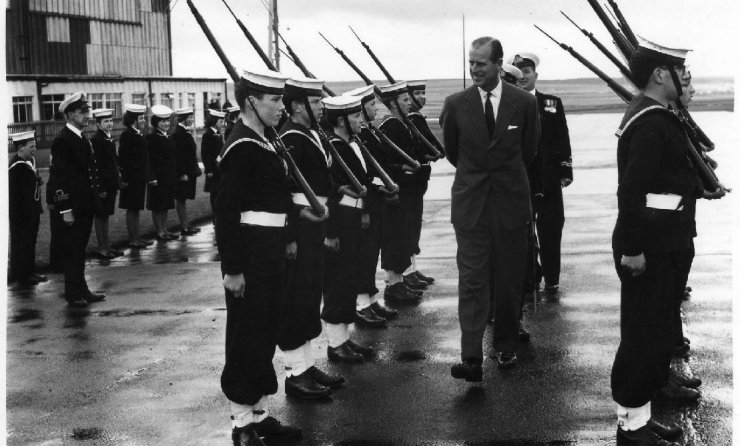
x=652, y=157
x=24, y=186
x=554, y=148
x=162, y=158
x=210, y=147
x=420, y=150
x=133, y=157
x=495, y=167
x=104, y=149
x=339, y=178
x=73, y=177
x=311, y=157
x=185, y=153
x=397, y=132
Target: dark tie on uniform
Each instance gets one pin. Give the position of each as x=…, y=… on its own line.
x=490, y=119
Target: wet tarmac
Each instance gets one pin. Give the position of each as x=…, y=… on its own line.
x=143, y=367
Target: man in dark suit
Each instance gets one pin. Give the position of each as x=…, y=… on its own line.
x=557, y=171
x=73, y=178
x=491, y=132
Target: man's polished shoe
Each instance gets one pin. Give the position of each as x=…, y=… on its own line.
x=77, y=302
x=364, y=350
x=304, y=386
x=505, y=360
x=271, y=428
x=670, y=433
x=39, y=277
x=397, y=293
x=427, y=279
x=470, y=370
x=325, y=379
x=681, y=350
x=640, y=437
x=678, y=394
x=246, y=436
x=687, y=293
x=344, y=353
x=384, y=312
x=524, y=335
x=92, y=297
x=367, y=318
x=552, y=289
x=413, y=292
x=691, y=382
x=414, y=283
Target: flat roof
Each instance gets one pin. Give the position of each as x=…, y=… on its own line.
x=96, y=78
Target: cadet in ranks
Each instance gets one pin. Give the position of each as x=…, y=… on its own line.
x=160, y=194
x=343, y=233
x=370, y=312
x=301, y=315
x=24, y=210
x=73, y=178
x=557, y=170
x=232, y=115
x=104, y=149
x=511, y=74
x=187, y=167
x=210, y=146
x=133, y=162
x=417, y=95
x=658, y=188
x=252, y=209
x=395, y=248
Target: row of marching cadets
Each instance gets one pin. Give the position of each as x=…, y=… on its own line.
x=299, y=243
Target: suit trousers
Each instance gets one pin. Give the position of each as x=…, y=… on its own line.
x=550, y=221
x=490, y=252
x=370, y=243
x=23, y=236
x=642, y=361
x=75, y=239
x=341, y=269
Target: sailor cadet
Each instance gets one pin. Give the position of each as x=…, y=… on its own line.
x=106, y=160
x=73, y=180
x=133, y=162
x=24, y=209
x=658, y=187
x=346, y=223
x=252, y=210
x=511, y=74
x=554, y=160
x=160, y=195
x=370, y=312
x=396, y=249
x=232, y=115
x=187, y=167
x=301, y=316
x=210, y=146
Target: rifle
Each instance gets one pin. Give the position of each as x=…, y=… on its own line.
x=388, y=183
x=623, y=24
x=620, y=40
x=273, y=137
x=251, y=39
x=298, y=63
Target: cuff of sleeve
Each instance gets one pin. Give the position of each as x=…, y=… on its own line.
x=231, y=269
x=65, y=211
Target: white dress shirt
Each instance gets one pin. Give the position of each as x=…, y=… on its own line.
x=495, y=98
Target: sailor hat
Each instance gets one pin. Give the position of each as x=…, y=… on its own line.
x=342, y=105
x=75, y=101
x=673, y=57
x=511, y=73
x=135, y=109
x=161, y=111
x=270, y=82
x=184, y=111
x=416, y=85
x=22, y=136
x=524, y=59
x=366, y=93
x=216, y=113
x=304, y=86
x=101, y=113
x=234, y=109
x=393, y=90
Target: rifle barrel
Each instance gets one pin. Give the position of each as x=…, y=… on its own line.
x=619, y=40
x=375, y=58
x=623, y=24
x=252, y=40
x=209, y=35
x=351, y=64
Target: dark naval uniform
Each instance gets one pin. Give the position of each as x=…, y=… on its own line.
x=106, y=160
x=24, y=215
x=161, y=197
x=301, y=320
x=658, y=187
x=186, y=159
x=556, y=161
x=133, y=161
x=73, y=180
x=251, y=212
x=420, y=181
x=210, y=147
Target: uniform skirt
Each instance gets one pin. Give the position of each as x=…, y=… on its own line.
x=160, y=197
x=132, y=196
x=107, y=204
x=185, y=190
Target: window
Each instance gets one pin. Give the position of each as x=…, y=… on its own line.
x=107, y=100
x=215, y=100
x=138, y=98
x=22, y=108
x=190, y=100
x=50, y=107
x=166, y=99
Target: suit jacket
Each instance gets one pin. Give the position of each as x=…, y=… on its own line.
x=73, y=176
x=106, y=160
x=490, y=167
x=554, y=147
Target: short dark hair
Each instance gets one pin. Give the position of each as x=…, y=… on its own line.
x=289, y=96
x=332, y=117
x=497, y=51
x=130, y=118
x=211, y=120
x=156, y=120
x=242, y=92
x=182, y=118
x=18, y=144
x=642, y=67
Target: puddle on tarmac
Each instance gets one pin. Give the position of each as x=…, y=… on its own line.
x=25, y=314
x=93, y=433
x=127, y=313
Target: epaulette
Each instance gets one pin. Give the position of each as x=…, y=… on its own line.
x=637, y=115
x=226, y=150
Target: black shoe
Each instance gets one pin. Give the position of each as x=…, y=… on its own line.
x=552, y=289
x=413, y=292
x=325, y=379
x=678, y=394
x=670, y=433
x=470, y=370
x=691, y=382
x=397, y=293
x=344, y=353
x=272, y=428
x=246, y=436
x=681, y=350
x=687, y=293
x=117, y=252
x=640, y=437
x=384, y=312
x=523, y=333
x=415, y=284
x=304, y=386
x=188, y=231
x=28, y=281
x=162, y=238
x=77, y=302
x=92, y=297
x=367, y=318
x=39, y=277
x=364, y=350
x=505, y=360
x=427, y=279
x=145, y=242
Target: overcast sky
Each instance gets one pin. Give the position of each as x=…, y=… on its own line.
x=423, y=39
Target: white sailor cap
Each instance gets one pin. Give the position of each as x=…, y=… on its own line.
x=22, y=136
x=161, y=111
x=100, y=113
x=184, y=111
x=217, y=113
x=660, y=53
x=366, y=93
x=416, y=85
x=75, y=101
x=270, y=82
x=511, y=70
x=342, y=105
x=233, y=109
x=301, y=85
x=392, y=90
x=136, y=109
x=524, y=59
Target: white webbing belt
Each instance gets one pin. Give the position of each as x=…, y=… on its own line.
x=670, y=202
x=352, y=202
x=257, y=218
x=300, y=199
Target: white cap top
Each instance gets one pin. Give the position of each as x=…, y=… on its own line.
x=393, y=89
x=512, y=70
x=233, y=109
x=102, y=113
x=367, y=92
x=520, y=59
x=345, y=104
x=305, y=83
x=416, y=84
x=77, y=100
x=216, y=113
x=184, y=111
x=271, y=82
x=672, y=52
x=22, y=136
x=135, y=108
x=161, y=111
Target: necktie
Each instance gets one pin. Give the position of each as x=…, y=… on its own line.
x=490, y=119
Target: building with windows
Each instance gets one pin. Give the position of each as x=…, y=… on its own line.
x=118, y=51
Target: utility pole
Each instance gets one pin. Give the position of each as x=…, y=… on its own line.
x=273, y=47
